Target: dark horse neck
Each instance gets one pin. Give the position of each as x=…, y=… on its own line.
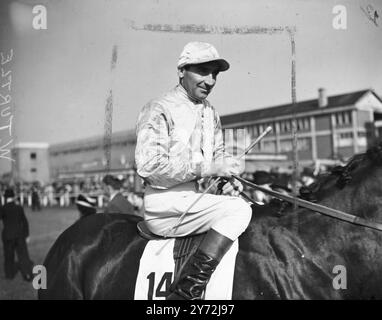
x=304, y=255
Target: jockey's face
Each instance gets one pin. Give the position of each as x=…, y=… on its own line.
x=199, y=79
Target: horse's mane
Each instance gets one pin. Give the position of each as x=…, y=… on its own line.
x=344, y=174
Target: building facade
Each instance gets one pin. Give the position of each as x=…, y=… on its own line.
x=31, y=162
x=89, y=155
x=328, y=128
x=87, y=158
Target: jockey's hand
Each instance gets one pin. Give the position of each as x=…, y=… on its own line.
x=226, y=168
x=232, y=188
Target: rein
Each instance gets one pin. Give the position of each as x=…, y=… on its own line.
x=316, y=207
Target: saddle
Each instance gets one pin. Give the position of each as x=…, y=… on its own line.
x=161, y=262
x=183, y=247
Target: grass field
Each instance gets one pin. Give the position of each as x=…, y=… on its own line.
x=45, y=226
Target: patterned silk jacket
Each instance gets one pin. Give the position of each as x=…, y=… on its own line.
x=177, y=139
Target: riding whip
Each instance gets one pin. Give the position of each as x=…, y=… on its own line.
x=315, y=207
x=249, y=148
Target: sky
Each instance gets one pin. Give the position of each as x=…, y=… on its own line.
x=62, y=76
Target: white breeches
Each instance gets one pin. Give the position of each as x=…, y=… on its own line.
x=227, y=215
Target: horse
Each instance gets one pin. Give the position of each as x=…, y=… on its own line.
x=299, y=254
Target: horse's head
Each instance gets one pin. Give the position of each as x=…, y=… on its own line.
x=354, y=188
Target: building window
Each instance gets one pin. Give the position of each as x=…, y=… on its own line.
x=256, y=130
x=346, y=135
x=260, y=128
x=269, y=146
x=250, y=131
x=345, y=139
x=286, y=146
x=270, y=124
x=33, y=155
x=303, y=144
x=285, y=126
x=343, y=118
x=303, y=124
x=362, y=139
x=33, y=170
x=246, y=134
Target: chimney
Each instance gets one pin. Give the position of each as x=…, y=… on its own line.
x=322, y=98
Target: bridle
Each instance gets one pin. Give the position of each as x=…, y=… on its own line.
x=316, y=207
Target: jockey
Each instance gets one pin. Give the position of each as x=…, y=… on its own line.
x=180, y=141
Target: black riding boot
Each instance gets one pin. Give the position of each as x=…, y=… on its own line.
x=195, y=273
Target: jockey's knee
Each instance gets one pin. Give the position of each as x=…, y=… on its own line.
x=236, y=219
x=244, y=213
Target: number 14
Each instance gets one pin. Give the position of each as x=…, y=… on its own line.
x=159, y=291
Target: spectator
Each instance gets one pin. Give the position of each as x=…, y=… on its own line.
x=85, y=205
x=307, y=177
x=281, y=187
x=76, y=190
x=66, y=195
x=136, y=200
x=36, y=204
x=14, y=235
x=117, y=202
x=49, y=191
x=263, y=179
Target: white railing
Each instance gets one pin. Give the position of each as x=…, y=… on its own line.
x=55, y=199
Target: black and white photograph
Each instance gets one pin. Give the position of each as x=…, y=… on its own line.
x=213, y=151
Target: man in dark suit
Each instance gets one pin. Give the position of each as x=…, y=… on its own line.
x=117, y=202
x=15, y=232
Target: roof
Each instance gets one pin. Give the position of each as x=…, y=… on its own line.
x=31, y=145
x=96, y=141
x=290, y=109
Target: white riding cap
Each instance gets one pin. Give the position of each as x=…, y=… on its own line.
x=201, y=52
